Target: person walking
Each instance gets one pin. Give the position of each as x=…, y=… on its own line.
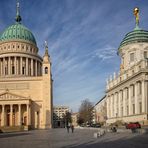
x=67, y=128
x=72, y=128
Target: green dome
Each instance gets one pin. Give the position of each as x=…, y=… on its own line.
x=17, y=31
x=135, y=36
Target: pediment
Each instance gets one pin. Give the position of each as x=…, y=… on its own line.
x=10, y=96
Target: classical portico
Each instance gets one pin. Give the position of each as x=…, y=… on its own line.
x=14, y=110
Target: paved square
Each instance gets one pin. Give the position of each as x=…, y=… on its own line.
x=59, y=138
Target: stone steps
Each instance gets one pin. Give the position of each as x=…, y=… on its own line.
x=11, y=129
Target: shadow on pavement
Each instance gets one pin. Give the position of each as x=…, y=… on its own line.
x=6, y=135
x=139, y=141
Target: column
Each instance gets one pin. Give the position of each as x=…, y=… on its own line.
x=9, y=66
x=36, y=68
x=136, y=99
x=115, y=105
x=15, y=69
x=143, y=97
x=3, y=115
x=21, y=65
x=110, y=106
x=108, y=109
x=28, y=114
x=0, y=66
x=26, y=66
x=124, y=102
x=11, y=115
x=31, y=67
x=119, y=104
x=4, y=66
x=129, y=101
x=19, y=115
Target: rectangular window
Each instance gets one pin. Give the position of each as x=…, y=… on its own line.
x=140, y=88
x=133, y=90
x=121, y=111
x=131, y=57
x=145, y=54
x=140, y=107
x=133, y=108
x=127, y=110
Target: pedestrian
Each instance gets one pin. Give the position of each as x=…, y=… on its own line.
x=67, y=128
x=72, y=128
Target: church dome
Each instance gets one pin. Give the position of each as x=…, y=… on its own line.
x=17, y=31
x=136, y=36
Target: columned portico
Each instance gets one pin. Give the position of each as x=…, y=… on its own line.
x=14, y=110
x=11, y=118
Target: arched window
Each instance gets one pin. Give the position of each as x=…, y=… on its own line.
x=46, y=70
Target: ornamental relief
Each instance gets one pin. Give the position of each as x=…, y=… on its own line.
x=9, y=96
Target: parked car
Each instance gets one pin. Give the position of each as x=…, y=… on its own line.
x=133, y=125
x=96, y=125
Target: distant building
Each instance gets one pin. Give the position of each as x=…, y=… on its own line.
x=74, y=118
x=58, y=115
x=101, y=111
x=127, y=91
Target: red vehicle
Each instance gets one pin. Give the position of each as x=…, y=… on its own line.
x=133, y=125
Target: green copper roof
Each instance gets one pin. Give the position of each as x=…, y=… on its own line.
x=17, y=31
x=135, y=36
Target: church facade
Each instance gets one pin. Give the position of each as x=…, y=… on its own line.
x=25, y=79
x=127, y=92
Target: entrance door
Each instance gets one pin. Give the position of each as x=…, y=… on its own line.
x=8, y=120
x=25, y=120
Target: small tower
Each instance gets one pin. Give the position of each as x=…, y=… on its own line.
x=47, y=89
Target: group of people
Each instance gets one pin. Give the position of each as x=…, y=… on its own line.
x=72, y=128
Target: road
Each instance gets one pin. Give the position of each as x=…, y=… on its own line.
x=59, y=138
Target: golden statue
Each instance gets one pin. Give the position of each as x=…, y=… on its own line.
x=136, y=13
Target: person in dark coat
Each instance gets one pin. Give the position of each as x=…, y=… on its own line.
x=72, y=128
x=67, y=128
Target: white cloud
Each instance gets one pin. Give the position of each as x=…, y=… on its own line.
x=105, y=53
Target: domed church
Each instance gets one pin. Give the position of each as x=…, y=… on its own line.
x=127, y=91
x=25, y=80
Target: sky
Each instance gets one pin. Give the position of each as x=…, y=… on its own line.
x=83, y=38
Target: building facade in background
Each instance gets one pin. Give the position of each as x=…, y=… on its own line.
x=101, y=111
x=74, y=117
x=59, y=113
x=25, y=79
x=127, y=92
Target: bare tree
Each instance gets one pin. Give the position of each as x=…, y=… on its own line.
x=85, y=112
x=67, y=118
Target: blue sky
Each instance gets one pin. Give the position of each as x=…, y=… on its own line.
x=83, y=38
